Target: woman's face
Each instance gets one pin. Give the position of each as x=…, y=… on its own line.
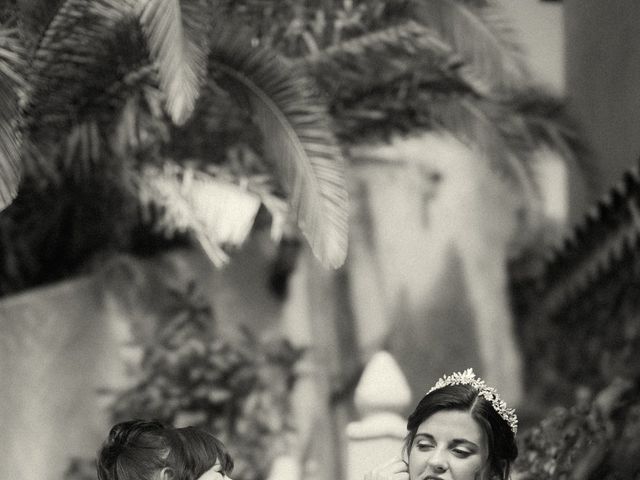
x=449, y=445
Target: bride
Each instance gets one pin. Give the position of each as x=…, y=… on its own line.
x=460, y=430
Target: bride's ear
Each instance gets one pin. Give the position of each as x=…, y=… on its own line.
x=166, y=474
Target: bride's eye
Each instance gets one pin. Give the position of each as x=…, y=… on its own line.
x=462, y=453
x=423, y=445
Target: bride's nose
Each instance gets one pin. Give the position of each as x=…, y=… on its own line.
x=438, y=461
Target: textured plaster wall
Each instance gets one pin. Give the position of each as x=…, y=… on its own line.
x=433, y=244
x=57, y=347
x=603, y=82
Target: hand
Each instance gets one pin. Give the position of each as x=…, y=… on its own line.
x=394, y=469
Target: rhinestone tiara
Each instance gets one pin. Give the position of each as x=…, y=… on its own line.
x=488, y=393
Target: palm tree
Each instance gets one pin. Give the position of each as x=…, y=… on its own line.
x=107, y=85
x=169, y=105
x=189, y=115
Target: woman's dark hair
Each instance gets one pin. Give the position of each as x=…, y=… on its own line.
x=139, y=449
x=501, y=441
x=135, y=450
x=197, y=452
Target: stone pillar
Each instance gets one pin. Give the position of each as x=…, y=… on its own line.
x=380, y=398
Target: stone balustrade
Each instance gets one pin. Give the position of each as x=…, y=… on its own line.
x=381, y=398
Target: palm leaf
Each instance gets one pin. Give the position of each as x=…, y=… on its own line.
x=356, y=66
x=71, y=63
x=34, y=17
x=492, y=62
x=11, y=81
x=546, y=119
x=177, y=39
x=297, y=137
x=140, y=129
x=83, y=149
x=38, y=168
x=215, y=212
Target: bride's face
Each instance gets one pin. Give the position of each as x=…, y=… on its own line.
x=449, y=445
x=214, y=473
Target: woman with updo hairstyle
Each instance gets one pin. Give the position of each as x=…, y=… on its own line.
x=148, y=450
x=460, y=430
x=196, y=450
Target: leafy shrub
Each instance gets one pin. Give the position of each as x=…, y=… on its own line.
x=237, y=387
x=595, y=439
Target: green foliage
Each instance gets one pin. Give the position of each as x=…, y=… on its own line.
x=552, y=449
x=594, y=439
x=10, y=82
x=141, y=85
x=274, y=89
x=400, y=67
x=177, y=38
x=107, y=82
x=588, y=292
x=233, y=385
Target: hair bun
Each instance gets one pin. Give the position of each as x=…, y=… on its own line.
x=122, y=434
x=136, y=446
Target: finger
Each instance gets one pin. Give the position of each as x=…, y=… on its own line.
x=396, y=467
x=401, y=476
x=389, y=462
x=388, y=471
x=380, y=468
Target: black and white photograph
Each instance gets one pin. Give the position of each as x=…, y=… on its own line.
x=319, y=240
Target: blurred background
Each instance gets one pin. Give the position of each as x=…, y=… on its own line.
x=283, y=221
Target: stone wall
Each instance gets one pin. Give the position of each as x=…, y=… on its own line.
x=57, y=348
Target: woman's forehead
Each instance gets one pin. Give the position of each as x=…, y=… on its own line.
x=452, y=424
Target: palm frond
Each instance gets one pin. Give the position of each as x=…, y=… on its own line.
x=546, y=119
x=10, y=84
x=500, y=135
x=491, y=60
x=378, y=58
x=33, y=17
x=215, y=212
x=83, y=149
x=525, y=121
x=297, y=137
x=140, y=129
x=9, y=145
x=176, y=33
x=38, y=168
x=12, y=56
x=71, y=64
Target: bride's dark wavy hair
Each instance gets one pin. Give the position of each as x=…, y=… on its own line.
x=140, y=450
x=501, y=440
